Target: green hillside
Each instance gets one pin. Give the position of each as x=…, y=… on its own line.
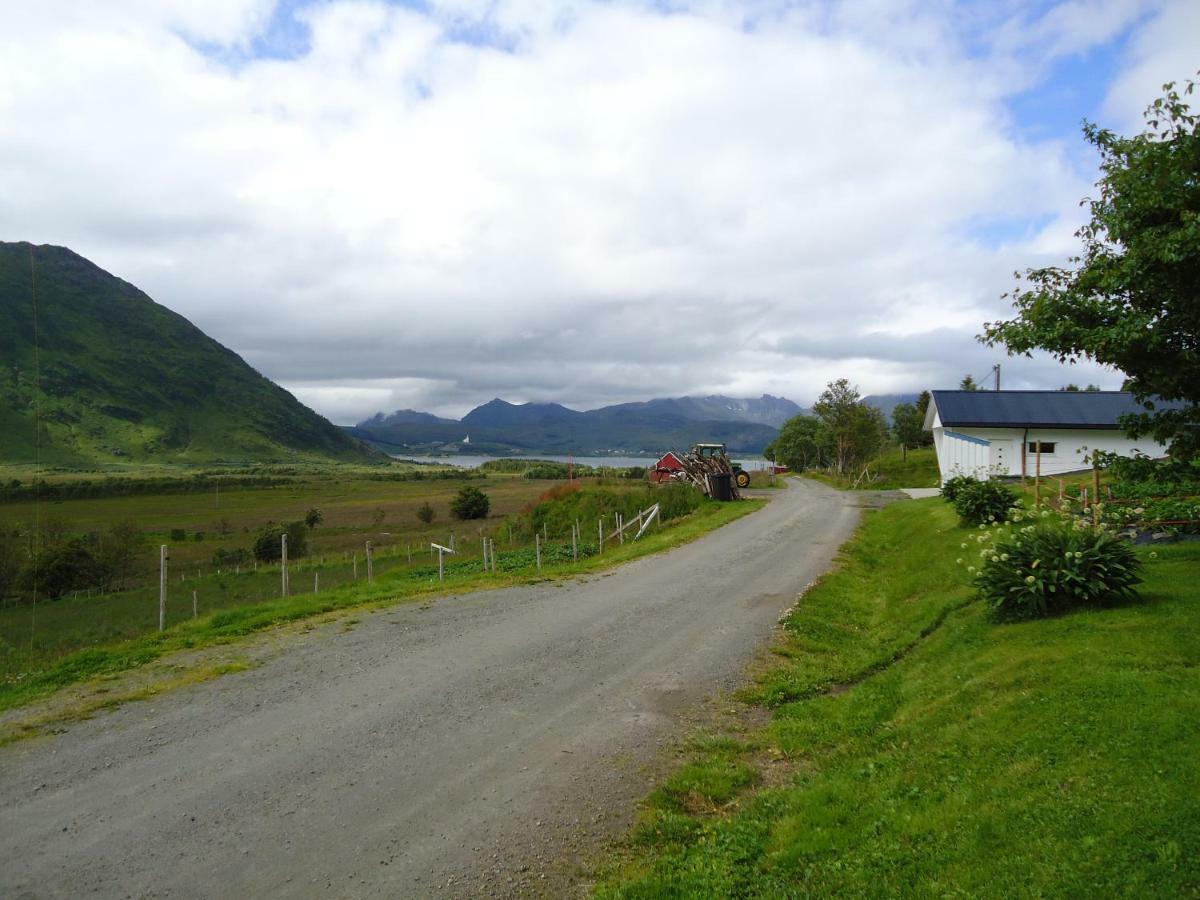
x=124, y=380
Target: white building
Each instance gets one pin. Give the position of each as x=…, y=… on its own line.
x=1013, y=433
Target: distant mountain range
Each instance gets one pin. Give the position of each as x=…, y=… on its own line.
x=124, y=379
x=885, y=403
x=745, y=425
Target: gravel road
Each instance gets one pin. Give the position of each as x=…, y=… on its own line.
x=464, y=747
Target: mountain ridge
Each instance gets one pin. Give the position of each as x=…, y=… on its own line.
x=125, y=379
x=650, y=426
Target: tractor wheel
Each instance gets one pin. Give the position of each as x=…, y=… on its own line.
x=742, y=478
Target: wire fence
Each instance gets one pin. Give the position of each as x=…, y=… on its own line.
x=35, y=633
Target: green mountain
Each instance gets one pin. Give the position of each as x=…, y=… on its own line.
x=124, y=379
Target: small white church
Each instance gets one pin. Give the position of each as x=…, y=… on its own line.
x=1018, y=433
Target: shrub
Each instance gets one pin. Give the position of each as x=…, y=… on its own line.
x=471, y=503
x=425, y=512
x=313, y=517
x=984, y=501
x=223, y=558
x=65, y=567
x=547, y=471
x=267, y=546
x=178, y=534
x=1053, y=565
x=952, y=486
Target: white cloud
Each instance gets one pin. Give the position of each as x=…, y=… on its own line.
x=614, y=203
x=1164, y=50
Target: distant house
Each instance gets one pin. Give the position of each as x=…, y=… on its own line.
x=1003, y=433
x=666, y=467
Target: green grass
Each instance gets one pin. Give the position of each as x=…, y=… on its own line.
x=75, y=641
x=953, y=756
x=890, y=471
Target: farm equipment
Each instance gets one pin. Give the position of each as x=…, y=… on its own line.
x=708, y=467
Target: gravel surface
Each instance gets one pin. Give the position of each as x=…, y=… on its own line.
x=479, y=745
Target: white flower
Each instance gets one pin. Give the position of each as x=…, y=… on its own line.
x=964, y=545
x=1154, y=554
x=1004, y=557
x=971, y=569
x=1029, y=579
x=959, y=560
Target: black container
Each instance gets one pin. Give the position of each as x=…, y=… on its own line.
x=720, y=486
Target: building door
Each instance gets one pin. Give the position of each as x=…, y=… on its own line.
x=1003, y=458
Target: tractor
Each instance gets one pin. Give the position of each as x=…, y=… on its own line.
x=715, y=458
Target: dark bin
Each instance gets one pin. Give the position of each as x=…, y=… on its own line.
x=720, y=486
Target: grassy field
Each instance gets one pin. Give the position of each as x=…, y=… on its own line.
x=59, y=642
x=919, y=749
x=890, y=471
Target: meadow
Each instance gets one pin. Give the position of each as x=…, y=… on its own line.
x=47, y=644
x=917, y=747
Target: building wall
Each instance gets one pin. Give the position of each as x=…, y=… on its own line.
x=982, y=452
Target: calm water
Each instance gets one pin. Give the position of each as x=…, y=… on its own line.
x=466, y=461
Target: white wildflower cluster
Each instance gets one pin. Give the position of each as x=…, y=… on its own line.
x=787, y=613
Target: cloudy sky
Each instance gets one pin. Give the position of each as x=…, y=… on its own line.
x=429, y=204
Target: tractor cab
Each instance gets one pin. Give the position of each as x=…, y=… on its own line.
x=717, y=452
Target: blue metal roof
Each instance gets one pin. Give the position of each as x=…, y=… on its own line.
x=1041, y=409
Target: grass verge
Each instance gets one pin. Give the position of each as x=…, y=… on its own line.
x=394, y=587
x=918, y=748
x=889, y=472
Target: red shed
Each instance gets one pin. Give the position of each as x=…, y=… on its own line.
x=666, y=467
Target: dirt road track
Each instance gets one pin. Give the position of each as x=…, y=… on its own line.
x=457, y=748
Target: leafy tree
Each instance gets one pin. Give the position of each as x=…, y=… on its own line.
x=856, y=431
x=1132, y=299
x=802, y=443
x=12, y=558
x=923, y=400
x=121, y=551
x=968, y=384
x=471, y=503
x=313, y=518
x=908, y=424
x=425, y=512
x=65, y=567
x=268, y=546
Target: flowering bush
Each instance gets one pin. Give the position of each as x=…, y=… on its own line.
x=1053, y=563
x=951, y=486
x=982, y=502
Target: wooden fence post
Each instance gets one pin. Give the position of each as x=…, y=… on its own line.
x=162, y=587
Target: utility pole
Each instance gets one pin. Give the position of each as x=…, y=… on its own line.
x=283, y=572
x=370, y=564
x=996, y=369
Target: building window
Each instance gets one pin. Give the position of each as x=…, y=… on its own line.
x=1046, y=447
